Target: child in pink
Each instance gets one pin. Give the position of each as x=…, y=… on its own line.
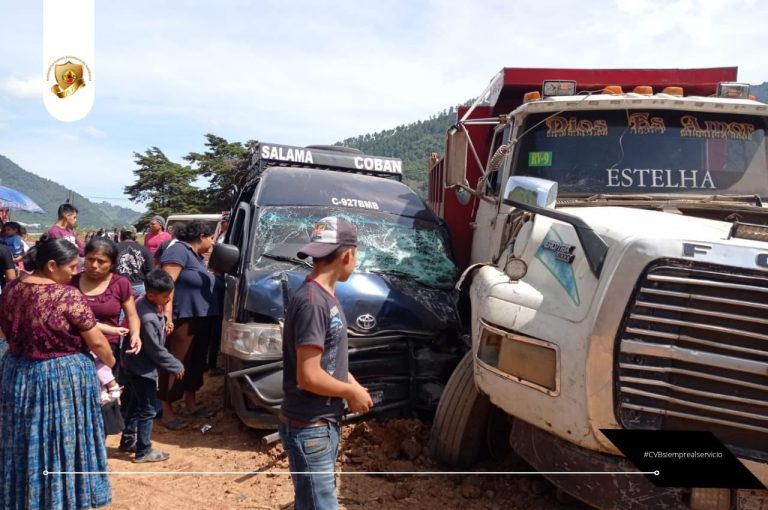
x=110, y=390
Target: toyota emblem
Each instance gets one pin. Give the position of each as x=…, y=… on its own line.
x=366, y=322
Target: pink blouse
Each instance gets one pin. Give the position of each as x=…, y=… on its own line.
x=153, y=241
x=107, y=305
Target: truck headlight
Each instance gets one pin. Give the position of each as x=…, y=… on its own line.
x=252, y=341
x=516, y=269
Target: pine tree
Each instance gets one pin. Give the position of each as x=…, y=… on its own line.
x=166, y=187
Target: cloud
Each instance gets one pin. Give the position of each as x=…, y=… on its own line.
x=93, y=132
x=692, y=27
x=355, y=68
x=346, y=71
x=27, y=88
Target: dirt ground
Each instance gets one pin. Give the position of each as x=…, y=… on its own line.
x=370, y=446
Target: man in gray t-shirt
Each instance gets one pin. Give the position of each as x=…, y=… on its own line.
x=316, y=321
x=316, y=379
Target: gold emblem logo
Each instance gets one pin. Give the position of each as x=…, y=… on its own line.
x=69, y=75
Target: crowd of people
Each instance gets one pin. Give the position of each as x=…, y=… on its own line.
x=95, y=333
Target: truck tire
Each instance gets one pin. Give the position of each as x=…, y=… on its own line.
x=459, y=427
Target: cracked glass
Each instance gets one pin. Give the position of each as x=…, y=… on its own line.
x=393, y=246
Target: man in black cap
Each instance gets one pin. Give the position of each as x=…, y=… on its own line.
x=316, y=380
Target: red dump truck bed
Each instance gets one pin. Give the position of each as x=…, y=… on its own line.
x=506, y=93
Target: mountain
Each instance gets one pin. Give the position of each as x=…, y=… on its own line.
x=760, y=92
x=413, y=143
x=49, y=195
x=120, y=215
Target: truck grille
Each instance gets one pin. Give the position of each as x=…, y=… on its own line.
x=693, y=354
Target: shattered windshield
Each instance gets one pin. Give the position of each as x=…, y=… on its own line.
x=647, y=151
x=395, y=246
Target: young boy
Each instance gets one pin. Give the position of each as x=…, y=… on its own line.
x=316, y=380
x=140, y=370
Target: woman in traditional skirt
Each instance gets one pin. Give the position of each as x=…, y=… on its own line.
x=50, y=418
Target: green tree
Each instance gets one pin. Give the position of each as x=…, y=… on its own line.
x=166, y=187
x=413, y=143
x=225, y=165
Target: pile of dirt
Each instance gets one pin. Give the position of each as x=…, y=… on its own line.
x=372, y=455
x=381, y=450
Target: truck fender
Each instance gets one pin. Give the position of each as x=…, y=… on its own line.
x=459, y=427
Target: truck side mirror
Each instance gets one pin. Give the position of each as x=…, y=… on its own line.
x=531, y=191
x=456, y=158
x=224, y=258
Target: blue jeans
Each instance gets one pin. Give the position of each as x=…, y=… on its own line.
x=139, y=404
x=138, y=290
x=312, y=455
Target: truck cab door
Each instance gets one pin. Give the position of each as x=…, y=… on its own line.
x=488, y=224
x=239, y=231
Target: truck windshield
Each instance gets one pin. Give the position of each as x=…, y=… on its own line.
x=400, y=247
x=646, y=151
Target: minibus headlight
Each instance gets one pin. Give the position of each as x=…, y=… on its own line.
x=252, y=341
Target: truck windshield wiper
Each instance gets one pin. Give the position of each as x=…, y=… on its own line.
x=286, y=258
x=752, y=199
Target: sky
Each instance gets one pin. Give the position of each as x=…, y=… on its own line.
x=316, y=72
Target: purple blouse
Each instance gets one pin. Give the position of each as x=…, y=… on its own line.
x=44, y=321
x=107, y=305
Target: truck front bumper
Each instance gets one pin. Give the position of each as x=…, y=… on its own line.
x=400, y=373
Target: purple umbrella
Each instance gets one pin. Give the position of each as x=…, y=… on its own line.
x=17, y=201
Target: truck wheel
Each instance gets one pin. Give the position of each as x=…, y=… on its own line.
x=460, y=421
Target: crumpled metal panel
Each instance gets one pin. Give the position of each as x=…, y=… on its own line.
x=396, y=305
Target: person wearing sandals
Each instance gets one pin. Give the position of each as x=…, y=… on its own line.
x=49, y=398
x=108, y=293
x=191, y=317
x=140, y=371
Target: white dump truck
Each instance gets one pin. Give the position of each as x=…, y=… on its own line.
x=614, y=241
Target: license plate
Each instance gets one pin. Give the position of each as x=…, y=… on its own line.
x=751, y=500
